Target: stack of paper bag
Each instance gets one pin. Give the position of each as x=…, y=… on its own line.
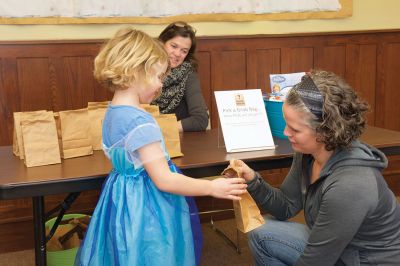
x=45, y=137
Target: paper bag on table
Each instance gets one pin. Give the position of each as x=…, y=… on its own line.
x=18, y=145
x=75, y=139
x=96, y=113
x=247, y=213
x=170, y=130
x=39, y=137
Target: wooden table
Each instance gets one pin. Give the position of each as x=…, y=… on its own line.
x=204, y=155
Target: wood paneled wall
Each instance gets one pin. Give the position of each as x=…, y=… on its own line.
x=57, y=75
x=369, y=61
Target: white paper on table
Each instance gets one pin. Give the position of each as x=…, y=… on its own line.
x=244, y=120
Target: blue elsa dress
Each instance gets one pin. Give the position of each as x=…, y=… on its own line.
x=134, y=223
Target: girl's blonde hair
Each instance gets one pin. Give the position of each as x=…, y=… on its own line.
x=128, y=57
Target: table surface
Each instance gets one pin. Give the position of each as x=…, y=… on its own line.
x=204, y=154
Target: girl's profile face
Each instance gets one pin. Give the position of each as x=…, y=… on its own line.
x=302, y=138
x=177, y=49
x=152, y=88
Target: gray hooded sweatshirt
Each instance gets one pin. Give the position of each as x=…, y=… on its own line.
x=353, y=216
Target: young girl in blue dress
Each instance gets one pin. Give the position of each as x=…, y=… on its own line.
x=142, y=217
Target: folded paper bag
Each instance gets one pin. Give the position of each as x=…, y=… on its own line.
x=170, y=131
x=247, y=213
x=96, y=113
x=39, y=137
x=18, y=145
x=75, y=139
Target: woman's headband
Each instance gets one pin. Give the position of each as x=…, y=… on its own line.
x=310, y=95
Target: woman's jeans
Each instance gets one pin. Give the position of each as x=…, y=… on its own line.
x=278, y=242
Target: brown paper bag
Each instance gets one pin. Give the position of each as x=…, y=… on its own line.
x=170, y=130
x=75, y=139
x=40, y=142
x=18, y=145
x=96, y=112
x=247, y=213
x=152, y=109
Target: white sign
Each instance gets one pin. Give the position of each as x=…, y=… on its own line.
x=244, y=120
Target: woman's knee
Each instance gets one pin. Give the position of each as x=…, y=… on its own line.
x=278, y=241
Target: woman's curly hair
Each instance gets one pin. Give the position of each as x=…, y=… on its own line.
x=343, y=112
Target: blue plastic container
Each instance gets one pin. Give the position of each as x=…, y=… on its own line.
x=275, y=118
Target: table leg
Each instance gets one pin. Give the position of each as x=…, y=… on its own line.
x=40, y=234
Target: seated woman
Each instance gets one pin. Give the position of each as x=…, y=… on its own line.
x=181, y=93
x=352, y=217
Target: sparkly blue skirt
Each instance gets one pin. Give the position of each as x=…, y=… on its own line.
x=135, y=223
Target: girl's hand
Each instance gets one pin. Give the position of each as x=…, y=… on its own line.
x=228, y=188
x=245, y=171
